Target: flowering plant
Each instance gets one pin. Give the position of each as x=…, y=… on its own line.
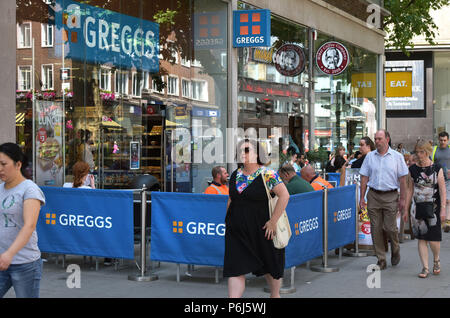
x=49, y=95
x=107, y=96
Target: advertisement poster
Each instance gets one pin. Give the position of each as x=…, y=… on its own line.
x=135, y=154
x=49, y=143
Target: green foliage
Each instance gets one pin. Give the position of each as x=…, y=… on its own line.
x=320, y=155
x=410, y=18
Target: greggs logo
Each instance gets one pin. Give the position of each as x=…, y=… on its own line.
x=79, y=220
x=251, y=28
x=342, y=215
x=306, y=226
x=198, y=228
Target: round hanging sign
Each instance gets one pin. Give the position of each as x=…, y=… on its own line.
x=289, y=60
x=332, y=58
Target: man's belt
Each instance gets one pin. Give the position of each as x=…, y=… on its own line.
x=383, y=192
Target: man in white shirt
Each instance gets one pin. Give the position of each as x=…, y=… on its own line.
x=384, y=171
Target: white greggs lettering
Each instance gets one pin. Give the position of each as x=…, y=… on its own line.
x=205, y=228
x=308, y=225
x=85, y=220
x=118, y=38
x=253, y=39
x=344, y=214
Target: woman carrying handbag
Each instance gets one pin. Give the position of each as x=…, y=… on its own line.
x=429, y=195
x=249, y=234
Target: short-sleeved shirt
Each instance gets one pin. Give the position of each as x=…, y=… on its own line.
x=70, y=185
x=298, y=185
x=11, y=219
x=384, y=171
x=270, y=177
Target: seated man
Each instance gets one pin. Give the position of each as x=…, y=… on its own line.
x=317, y=182
x=293, y=182
x=219, y=183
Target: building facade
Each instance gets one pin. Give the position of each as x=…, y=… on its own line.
x=425, y=111
x=135, y=87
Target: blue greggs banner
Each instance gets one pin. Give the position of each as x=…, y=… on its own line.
x=305, y=217
x=105, y=37
x=341, y=216
x=188, y=228
x=87, y=222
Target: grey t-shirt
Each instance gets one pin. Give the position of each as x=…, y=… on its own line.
x=11, y=219
x=442, y=157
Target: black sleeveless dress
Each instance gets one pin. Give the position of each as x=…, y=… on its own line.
x=246, y=248
x=425, y=190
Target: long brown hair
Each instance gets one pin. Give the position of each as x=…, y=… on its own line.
x=80, y=169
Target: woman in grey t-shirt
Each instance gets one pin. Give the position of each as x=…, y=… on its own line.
x=20, y=203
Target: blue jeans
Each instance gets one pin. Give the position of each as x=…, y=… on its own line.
x=25, y=278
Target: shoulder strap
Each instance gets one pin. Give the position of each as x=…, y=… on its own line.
x=434, y=152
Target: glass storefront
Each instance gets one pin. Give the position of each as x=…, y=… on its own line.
x=345, y=104
x=441, y=92
x=269, y=98
x=107, y=82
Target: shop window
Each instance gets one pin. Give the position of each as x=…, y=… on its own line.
x=47, y=77
x=24, y=35
x=46, y=35
x=172, y=86
x=24, y=78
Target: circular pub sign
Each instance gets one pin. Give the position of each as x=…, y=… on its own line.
x=332, y=58
x=289, y=60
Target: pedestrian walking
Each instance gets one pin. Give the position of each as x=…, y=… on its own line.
x=219, y=183
x=249, y=229
x=441, y=156
x=21, y=200
x=294, y=183
x=366, y=145
x=429, y=196
x=384, y=171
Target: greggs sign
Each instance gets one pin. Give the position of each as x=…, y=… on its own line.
x=251, y=28
x=103, y=36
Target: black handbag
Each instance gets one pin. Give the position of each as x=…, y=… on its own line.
x=424, y=210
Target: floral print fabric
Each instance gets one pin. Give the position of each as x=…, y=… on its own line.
x=271, y=178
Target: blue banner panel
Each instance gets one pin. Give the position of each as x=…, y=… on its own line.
x=341, y=216
x=87, y=222
x=188, y=228
x=101, y=36
x=306, y=219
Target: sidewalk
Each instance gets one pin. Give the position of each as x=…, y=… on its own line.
x=349, y=281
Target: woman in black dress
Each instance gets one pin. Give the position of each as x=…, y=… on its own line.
x=429, y=186
x=249, y=230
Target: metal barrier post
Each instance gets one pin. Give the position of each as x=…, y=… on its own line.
x=324, y=268
x=141, y=277
x=356, y=252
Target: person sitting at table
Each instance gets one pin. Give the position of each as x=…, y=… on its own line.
x=294, y=183
x=80, y=175
x=316, y=181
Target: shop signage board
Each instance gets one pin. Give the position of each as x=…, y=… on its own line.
x=210, y=30
x=332, y=58
x=251, y=28
x=364, y=85
x=405, y=85
x=100, y=36
x=49, y=143
x=290, y=60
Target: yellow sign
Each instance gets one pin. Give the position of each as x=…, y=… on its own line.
x=398, y=84
x=364, y=85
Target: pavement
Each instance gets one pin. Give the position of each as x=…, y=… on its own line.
x=350, y=281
